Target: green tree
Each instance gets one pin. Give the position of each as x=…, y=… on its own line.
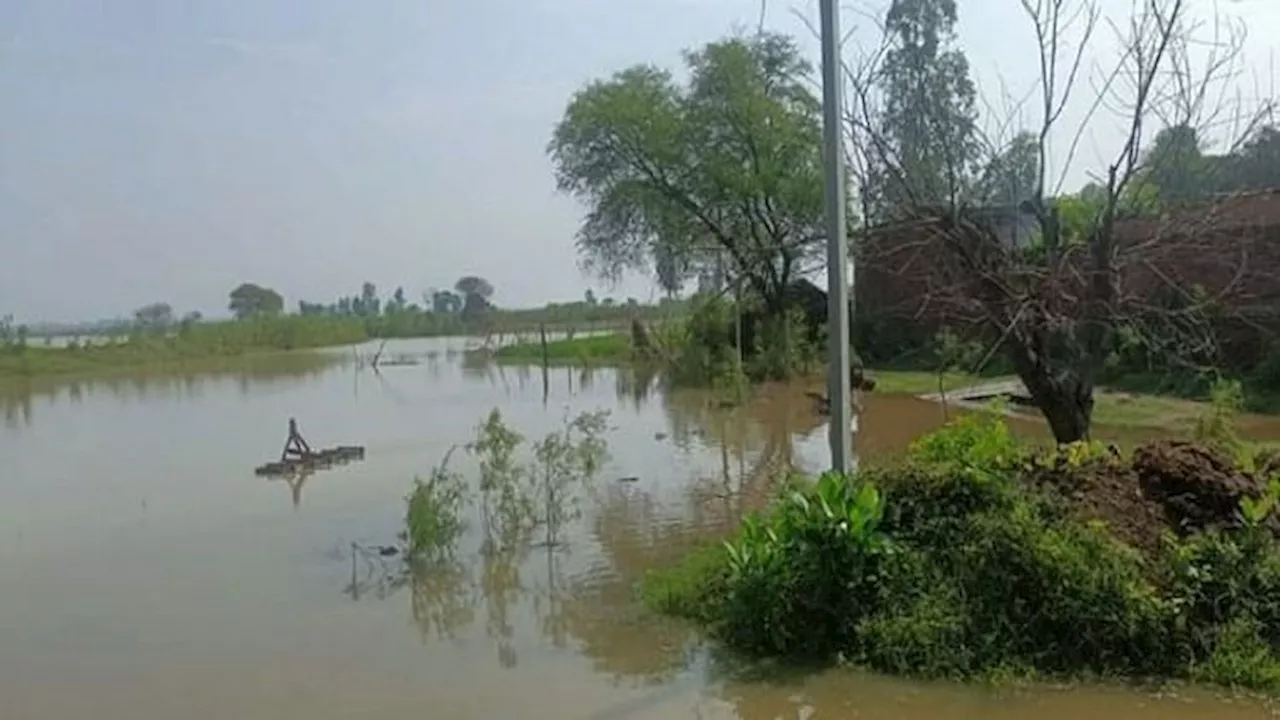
x=251, y=300
x=1176, y=168
x=1256, y=164
x=475, y=292
x=473, y=285
x=397, y=303
x=1010, y=177
x=368, y=304
x=445, y=301
x=727, y=167
x=928, y=123
x=154, y=317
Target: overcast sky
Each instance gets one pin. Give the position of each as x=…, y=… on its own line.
x=170, y=149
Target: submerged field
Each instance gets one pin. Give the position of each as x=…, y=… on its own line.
x=154, y=570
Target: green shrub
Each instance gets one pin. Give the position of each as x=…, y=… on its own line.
x=979, y=446
x=433, y=519
x=800, y=578
x=951, y=565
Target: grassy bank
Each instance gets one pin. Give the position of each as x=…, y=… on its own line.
x=612, y=348
x=198, y=345
x=977, y=557
x=1113, y=407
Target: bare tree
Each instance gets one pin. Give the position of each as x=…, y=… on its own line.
x=1057, y=308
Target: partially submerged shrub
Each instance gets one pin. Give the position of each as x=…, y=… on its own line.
x=954, y=564
x=799, y=578
x=515, y=496
x=433, y=519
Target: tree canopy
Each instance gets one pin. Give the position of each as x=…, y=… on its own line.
x=927, y=146
x=155, y=316
x=249, y=300
x=726, y=168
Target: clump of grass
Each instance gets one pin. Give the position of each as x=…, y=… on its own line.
x=591, y=349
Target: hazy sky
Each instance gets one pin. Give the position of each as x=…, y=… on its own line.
x=170, y=149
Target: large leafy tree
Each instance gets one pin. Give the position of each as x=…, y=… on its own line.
x=249, y=300
x=475, y=292
x=927, y=140
x=724, y=168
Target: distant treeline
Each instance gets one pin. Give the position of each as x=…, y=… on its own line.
x=158, y=336
x=466, y=309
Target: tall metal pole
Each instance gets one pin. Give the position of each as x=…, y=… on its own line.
x=840, y=392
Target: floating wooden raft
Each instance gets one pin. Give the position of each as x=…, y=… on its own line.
x=298, y=457
x=313, y=461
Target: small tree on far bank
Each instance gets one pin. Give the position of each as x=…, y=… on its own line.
x=476, y=293
x=252, y=300
x=154, y=317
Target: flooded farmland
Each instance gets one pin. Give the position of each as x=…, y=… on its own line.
x=148, y=574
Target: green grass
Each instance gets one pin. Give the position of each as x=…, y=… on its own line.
x=212, y=345
x=1112, y=408
x=592, y=349
x=919, y=382
x=1119, y=409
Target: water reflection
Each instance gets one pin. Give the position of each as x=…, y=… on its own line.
x=566, y=614
x=294, y=482
x=249, y=375
x=442, y=599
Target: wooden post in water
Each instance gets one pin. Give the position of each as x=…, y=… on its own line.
x=546, y=360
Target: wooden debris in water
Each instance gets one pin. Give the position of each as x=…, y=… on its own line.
x=298, y=457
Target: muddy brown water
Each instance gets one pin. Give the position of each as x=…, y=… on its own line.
x=147, y=574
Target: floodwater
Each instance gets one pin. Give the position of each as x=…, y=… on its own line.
x=147, y=574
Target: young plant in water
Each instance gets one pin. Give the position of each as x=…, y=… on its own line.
x=504, y=493
x=564, y=459
x=434, y=514
x=517, y=497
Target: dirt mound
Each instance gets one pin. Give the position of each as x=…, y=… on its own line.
x=1197, y=487
x=1166, y=485
x=1106, y=490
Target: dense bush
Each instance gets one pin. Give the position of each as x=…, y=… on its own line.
x=705, y=346
x=954, y=564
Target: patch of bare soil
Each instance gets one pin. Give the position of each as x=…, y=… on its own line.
x=1107, y=491
x=1166, y=485
x=1198, y=488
